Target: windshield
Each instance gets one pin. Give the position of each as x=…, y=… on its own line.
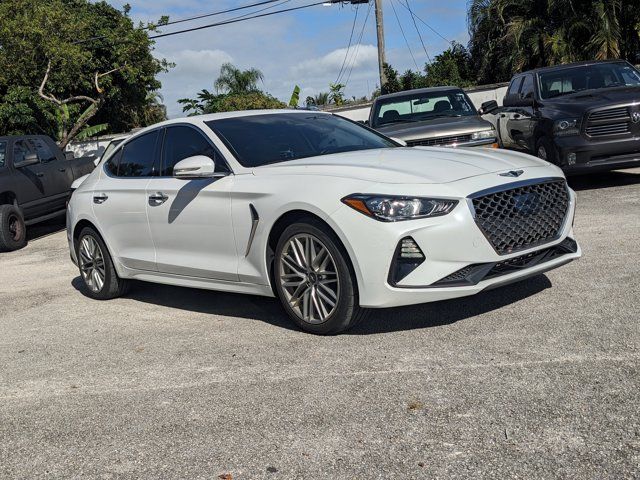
x=422, y=106
x=587, y=77
x=280, y=137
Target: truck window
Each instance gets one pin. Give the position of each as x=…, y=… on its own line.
x=3, y=153
x=526, y=89
x=514, y=86
x=20, y=150
x=42, y=150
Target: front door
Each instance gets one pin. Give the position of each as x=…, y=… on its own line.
x=190, y=220
x=120, y=202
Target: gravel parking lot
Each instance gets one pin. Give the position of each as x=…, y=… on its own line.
x=535, y=380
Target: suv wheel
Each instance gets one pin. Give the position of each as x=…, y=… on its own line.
x=99, y=277
x=13, y=232
x=314, y=280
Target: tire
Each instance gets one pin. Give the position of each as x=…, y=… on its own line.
x=321, y=295
x=99, y=278
x=545, y=150
x=13, y=232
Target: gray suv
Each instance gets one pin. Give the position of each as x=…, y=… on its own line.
x=441, y=116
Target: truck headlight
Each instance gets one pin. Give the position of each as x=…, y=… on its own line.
x=393, y=209
x=568, y=126
x=484, y=134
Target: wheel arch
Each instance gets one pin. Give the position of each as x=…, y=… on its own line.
x=296, y=215
x=8, y=198
x=81, y=225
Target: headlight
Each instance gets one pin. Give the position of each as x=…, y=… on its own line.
x=483, y=135
x=569, y=126
x=393, y=209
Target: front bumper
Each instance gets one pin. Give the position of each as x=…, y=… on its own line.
x=449, y=243
x=597, y=155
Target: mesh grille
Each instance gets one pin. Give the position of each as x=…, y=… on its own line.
x=432, y=142
x=523, y=217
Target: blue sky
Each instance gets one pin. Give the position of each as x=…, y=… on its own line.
x=306, y=47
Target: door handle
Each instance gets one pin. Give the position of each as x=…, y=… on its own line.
x=39, y=174
x=157, y=198
x=62, y=170
x=517, y=115
x=100, y=199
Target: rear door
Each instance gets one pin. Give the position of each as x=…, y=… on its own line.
x=120, y=201
x=56, y=174
x=29, y=181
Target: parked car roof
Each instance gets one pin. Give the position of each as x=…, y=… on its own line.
x=404, y=93
x=569, y=65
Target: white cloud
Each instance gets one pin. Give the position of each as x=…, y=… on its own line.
x=359, y=57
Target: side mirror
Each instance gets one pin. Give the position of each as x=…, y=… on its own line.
x=29, y=159
x=488, y=107
x=515, y=100
x=69, y=155
x=198, y=166
x=400, y=141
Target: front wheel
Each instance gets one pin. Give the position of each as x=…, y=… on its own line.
x=99, y=277
x=314, y=280
x=545, y=150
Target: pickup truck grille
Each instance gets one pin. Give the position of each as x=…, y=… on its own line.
x=611, y=121
x=523, y=217
x=440, y=141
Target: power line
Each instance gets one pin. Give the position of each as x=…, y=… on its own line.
x=346, y=54
x=355, y=54
x=188, y=19
x=417, y=29
x=234, y=20
x=425, y=23
x=393, y=5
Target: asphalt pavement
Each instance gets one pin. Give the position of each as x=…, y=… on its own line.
x=535, y=380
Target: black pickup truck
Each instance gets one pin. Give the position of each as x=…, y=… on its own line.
x=583, y=117
x=35, y=184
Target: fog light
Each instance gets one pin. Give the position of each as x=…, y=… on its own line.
x=571, y=158
x=407, y=258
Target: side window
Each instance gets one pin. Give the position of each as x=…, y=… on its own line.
x=526, y=89
x=112, y=164
x=42, y=150
x=20, y=150
x=514, y=87
x=3, y=153
x=183, y=142
x=138, y=156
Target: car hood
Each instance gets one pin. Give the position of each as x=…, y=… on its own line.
x=406, y=165
x=580, y=101
x=438, y=127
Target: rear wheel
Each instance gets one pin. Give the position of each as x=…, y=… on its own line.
x=314, y=280
x=99, y=277
x=13, y=232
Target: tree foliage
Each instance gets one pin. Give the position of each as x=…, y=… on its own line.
x=240, y=92
x=508, y=36
x=36, y=35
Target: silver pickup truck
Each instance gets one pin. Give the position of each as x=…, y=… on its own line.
x=441, y=116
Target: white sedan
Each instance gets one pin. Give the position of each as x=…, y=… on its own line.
x=328, y=215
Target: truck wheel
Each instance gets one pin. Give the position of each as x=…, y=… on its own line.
x=13, y=232
x=545, y=150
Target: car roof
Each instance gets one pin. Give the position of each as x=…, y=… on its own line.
x=196, y=119
x=405, y=93
x=568, y=65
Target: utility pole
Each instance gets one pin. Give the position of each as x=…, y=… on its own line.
x=380, y=31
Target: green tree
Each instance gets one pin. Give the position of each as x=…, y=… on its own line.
x=336, y=93
x=87, y=57
x=233, y=80
x=508, y=36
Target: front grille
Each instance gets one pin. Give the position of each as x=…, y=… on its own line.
x=440, y=141
x=522, y=217
x=611, y=121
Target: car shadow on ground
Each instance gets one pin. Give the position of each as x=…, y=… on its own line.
x=46, y=228
x=268, y=310
x=595, y=181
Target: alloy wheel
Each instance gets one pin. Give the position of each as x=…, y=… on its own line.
x=309, y=278
x=92, y=263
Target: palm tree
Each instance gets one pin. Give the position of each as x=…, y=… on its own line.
x=233, y=80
